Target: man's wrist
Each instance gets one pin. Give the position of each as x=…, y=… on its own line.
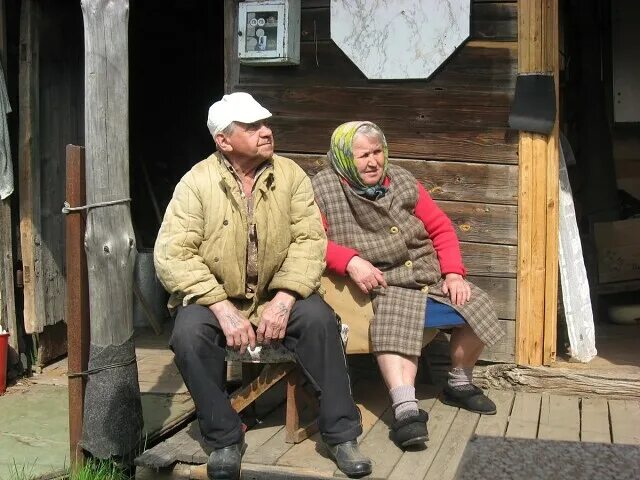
x=218, y=306
x=287, y=297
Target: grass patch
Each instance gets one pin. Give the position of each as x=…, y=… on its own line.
x=21, y=472
x=92, y=470
x=99, y=470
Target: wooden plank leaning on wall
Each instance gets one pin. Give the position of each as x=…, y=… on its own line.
x=538, y=197
x=7, y=294
x=29, y=169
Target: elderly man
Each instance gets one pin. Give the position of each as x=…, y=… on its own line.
x=241, y=250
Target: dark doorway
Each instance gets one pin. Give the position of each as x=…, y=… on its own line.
x=176, y=67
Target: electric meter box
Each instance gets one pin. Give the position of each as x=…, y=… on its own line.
x=269, y=32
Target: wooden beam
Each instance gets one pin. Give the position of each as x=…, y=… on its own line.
x=536, y=310
x=231, y=64
x=109, y=242
x=113, y=413
x=29, y=169
x=553, y=197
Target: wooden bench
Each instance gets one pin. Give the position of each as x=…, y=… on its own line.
x=355, y=311
x=279, y=364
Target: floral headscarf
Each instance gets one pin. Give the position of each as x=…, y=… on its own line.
x=341, y=157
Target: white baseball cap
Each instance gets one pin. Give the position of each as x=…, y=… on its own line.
x=234, y=107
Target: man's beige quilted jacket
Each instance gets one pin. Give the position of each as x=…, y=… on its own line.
x=200, y=252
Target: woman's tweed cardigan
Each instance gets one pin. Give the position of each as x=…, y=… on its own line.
x=387, y=233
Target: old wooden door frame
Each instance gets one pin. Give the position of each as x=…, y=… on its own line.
x=537, y=274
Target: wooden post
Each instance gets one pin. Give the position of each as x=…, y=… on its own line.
x=231, y=64
x=552, y=61
x=536, y=311
x=29, y=169
x=113, y=414
x=77, y=305
x=7, y=294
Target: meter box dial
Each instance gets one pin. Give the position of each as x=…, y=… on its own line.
x=269, y=32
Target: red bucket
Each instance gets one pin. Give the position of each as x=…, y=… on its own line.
x=4, y=347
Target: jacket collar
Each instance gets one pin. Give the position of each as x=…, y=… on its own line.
x=265, y=177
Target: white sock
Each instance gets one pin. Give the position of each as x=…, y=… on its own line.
x=404, y=401
x=460, y=377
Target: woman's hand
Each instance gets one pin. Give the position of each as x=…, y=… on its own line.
x=365, y=275
x=456, y=288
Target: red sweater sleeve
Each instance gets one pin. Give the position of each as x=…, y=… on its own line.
x=441, y=232
x=337, y=256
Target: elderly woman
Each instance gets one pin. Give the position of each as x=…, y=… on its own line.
x=390, y=237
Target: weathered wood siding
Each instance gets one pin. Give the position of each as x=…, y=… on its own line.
x=51, y=113
x=450, y=131
x=61, y=123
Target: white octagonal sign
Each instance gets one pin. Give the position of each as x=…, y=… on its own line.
x=396, y=39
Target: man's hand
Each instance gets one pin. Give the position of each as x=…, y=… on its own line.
x=274, y=318
x=237, y=330
x=365, y=275
x=456, y=288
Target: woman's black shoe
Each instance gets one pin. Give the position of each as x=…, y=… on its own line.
x=411, y=430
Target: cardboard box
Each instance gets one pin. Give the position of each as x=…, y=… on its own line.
x=618, y=246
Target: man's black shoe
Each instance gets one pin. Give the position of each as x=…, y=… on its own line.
x=224, y=463
x=349, y=459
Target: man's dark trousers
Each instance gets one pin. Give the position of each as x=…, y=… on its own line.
x=312, y=335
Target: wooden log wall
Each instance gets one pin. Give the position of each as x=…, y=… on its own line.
x=450, y=130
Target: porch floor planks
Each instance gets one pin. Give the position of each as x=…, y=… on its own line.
x=625, y=421
x=415, y=464
x=310, y=455
x=445, y=464
x=559, y=418
x=264, y=431
x=594, y=425
x=371, y=398
x=525, y=413
x=539, y=417
x=378, y=444
x=270, y=451
x=496, y=425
